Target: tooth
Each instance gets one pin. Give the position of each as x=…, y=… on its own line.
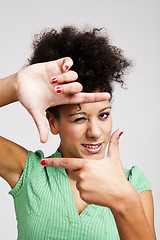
x=91, y=146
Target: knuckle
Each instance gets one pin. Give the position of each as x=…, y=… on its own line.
x=114, y=142
x=77, y=87
x=82, y=176
x=75, y=75
x=64, y=163
x=52, y=162
x=72, y=75
x=69, y=60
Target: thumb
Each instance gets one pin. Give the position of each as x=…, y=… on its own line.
x=113, y=148
x=41, y=123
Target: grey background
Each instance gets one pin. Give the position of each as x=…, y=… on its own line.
x=132, y=26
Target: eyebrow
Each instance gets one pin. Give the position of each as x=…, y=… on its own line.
x=84, y=113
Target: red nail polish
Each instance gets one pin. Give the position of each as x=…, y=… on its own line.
x=66, y=68
x=53, y=80
x=43, y=162
x=58, y=89
x=120, y=134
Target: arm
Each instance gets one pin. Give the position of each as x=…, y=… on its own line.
x=12, y=156
x=134, y=217
x=148, y=206
x=12, y=161
x=7, y=92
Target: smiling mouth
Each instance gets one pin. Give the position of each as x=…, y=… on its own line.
x=93, y=148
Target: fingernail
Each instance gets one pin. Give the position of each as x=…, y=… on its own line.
x=53, y=80
x=66, y=67
x=43, y=162
x=58, y=89
x=120, y=134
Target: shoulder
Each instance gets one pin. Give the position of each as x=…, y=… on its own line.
x=12, y=160
x=32, y=170
x=138, y=179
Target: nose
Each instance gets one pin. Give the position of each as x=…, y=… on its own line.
x=93, y=129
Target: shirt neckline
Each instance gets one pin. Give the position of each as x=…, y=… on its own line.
x=72, y=209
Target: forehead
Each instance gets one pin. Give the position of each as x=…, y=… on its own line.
x=83, y=107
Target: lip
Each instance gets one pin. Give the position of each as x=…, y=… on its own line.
x=90, y=150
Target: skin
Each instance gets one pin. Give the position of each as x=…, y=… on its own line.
x=32, y=87
x=100, y=179
x=91, y=124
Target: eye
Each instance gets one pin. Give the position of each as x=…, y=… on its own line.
x=104, y=115
x=79, y=120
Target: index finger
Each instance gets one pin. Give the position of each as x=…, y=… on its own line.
x=68, y=163
x=87, y=97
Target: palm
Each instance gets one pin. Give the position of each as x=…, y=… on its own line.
x=36, y=93
x=34, y=89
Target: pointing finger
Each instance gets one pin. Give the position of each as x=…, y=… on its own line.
x=89, y=97
x=84, y=97
x=68, y=163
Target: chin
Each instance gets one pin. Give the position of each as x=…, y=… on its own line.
x=93, y=156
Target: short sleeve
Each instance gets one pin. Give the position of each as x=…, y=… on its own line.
x=32, y=163
x=138, y=179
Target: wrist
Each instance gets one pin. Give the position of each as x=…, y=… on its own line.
x=15, y=86
x=125, y=202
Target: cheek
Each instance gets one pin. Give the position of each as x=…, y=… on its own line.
x=71, y=133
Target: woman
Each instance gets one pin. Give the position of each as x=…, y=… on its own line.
x=77, y=193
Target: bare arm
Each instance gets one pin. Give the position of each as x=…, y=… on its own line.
x=12, y=156
x=7, y=93
x=135, y=218
x=12, y=161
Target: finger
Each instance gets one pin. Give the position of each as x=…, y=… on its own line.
x=113, y=148
x=57, y=66
x=70, y=88
x=86, y=98
x=64, y=77
x=41, y=123
x=68, y=163
x=67, y=63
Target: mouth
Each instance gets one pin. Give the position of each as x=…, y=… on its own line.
x=93, y=148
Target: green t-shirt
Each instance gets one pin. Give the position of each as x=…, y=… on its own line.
x=46, y=210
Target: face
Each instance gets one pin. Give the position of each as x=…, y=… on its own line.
x=84, y=130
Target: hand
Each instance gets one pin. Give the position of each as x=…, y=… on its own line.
x=36, y=93
x=101, y=182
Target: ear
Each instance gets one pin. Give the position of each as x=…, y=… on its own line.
x=52, y=123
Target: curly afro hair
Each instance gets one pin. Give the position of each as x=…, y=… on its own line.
x=97, y=63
